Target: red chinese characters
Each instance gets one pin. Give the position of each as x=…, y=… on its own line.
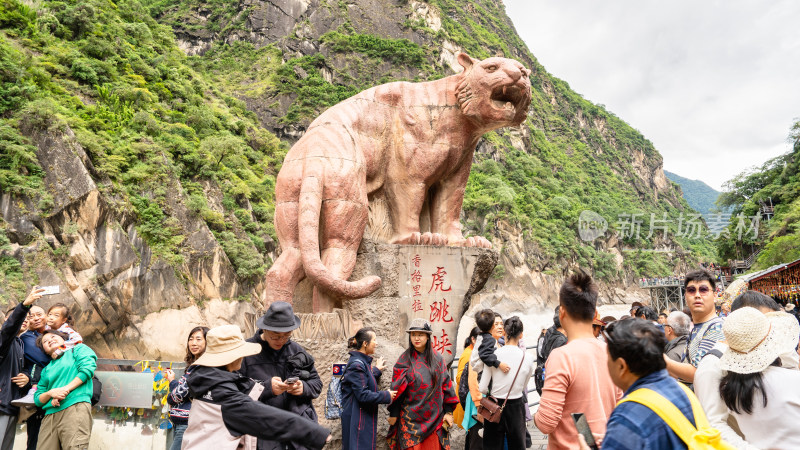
x=440, y=312
x=438, y=281
x=441, y=343
x=416, y=276
x=416, y=279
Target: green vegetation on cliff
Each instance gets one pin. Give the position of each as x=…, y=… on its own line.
x=113, y=75
x=776, y=182
x=149, y=117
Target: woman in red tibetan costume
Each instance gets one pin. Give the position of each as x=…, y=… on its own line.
x=422, y=412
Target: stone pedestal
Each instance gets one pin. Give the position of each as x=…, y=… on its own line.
x=435, y=283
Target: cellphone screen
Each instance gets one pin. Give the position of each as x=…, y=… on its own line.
x=51, y=290
x=583, y=429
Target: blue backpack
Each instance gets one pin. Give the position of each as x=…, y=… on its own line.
x=333, y=402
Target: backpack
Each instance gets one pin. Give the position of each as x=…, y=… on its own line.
x=463, y=386
x=97, y=390
x=333, y=402
x=538, y=379
x=700, y=438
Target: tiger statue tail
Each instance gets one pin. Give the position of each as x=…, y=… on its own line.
x=310, y=207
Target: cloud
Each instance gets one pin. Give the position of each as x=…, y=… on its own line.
x=713, y=84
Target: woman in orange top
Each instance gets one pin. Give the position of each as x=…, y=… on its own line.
x=469, y=344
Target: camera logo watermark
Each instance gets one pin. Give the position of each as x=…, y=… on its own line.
x=592, y=225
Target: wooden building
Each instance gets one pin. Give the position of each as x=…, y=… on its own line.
x=781, y=282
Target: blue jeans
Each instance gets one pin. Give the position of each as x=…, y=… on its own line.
x=177, y=437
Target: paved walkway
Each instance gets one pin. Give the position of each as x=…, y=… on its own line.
x=538, y=439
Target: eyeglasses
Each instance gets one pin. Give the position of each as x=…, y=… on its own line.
x=701, y=289
x=276, y=336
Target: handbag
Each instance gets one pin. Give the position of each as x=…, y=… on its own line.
x=489, y=409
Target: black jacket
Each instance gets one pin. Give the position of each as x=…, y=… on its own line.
x=12, y=355
x=486, y=350
x=226, y=394
x=290, y=360
x=552, y=340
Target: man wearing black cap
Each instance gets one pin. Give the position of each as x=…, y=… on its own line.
x=291, y=380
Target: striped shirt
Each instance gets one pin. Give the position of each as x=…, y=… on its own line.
x=635, y=426
x=702, y=339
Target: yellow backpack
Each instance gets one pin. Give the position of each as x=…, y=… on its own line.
x=700, y=438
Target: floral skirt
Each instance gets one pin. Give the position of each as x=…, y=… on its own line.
x=439, y=440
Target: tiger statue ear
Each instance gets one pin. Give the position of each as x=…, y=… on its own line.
x=465, y=60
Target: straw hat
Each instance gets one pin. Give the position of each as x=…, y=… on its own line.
x=785, y=325
x=419, y=325
x=225, y=345
x=756, y=340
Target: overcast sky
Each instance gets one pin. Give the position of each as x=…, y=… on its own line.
x=715, y=85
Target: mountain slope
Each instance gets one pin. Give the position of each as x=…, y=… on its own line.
x=776, y=183
x=141, y=179
x=700, y=196
x=570, y=156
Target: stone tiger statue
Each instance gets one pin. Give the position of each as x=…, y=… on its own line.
x=408, y=143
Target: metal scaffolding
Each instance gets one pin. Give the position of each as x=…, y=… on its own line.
x=666, y=296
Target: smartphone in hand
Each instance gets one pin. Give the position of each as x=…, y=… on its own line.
x=291, y=380
x=50, y=290
x=583, y=429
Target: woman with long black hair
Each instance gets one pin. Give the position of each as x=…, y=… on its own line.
x=422, y=412
x=509, y=390
x=360, y=395
x=179, y=400
x=756, y=389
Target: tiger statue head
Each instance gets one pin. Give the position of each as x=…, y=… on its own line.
x=494, y=92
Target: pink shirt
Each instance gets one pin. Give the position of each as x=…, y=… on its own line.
x=576, y=381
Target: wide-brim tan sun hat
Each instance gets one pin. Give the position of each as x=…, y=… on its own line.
x=755, y=340
x=224, y=345
x=788, y=329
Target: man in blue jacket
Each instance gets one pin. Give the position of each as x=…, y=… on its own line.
x=35, y=361
x=635, y=360
x=12, y=359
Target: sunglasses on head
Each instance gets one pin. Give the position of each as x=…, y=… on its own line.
x=607, y=330
x=701, y=289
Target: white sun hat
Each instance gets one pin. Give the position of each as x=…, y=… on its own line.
x=755, y=340
x=787, y=326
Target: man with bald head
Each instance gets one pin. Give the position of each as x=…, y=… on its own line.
x=35, y=361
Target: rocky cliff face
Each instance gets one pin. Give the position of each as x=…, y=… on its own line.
x=126, y=302
x=149, y=174
x=302, y=29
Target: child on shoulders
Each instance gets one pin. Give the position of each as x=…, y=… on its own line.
x=486, y=344
x=59, y=318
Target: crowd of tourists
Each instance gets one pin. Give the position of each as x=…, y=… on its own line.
x=45, y=377
x=655, y=380
x=699, y=378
